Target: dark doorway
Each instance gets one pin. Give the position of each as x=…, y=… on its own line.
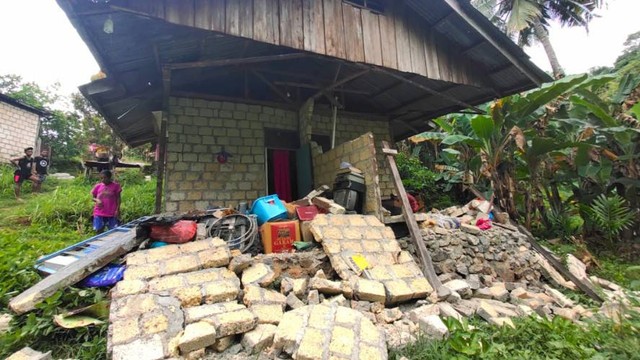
x=281, y=163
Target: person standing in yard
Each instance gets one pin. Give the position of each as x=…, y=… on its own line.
x=42, y=168
x=106, y=195
x=24, y=171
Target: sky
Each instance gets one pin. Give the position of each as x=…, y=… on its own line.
x=39, y=43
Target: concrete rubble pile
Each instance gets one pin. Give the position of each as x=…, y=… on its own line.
x=201, y=300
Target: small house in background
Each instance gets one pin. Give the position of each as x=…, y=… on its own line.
x=19, y=127
x=250, y=97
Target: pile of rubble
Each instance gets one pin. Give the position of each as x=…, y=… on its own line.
x=201, y=300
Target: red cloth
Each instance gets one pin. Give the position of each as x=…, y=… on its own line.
x=483, y=224
x=282, y=175
x=413, y=203
x=178, y=233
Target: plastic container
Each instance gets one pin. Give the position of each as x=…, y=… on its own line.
x=268, y=208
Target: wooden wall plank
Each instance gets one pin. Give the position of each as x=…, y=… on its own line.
x=313, y=18
x=232, y=17
x=266, y=24
x=431, y=53
x=246, y=18
x=291, y=27
x=334, y=28
x=372, y=42
x=209, y=14
x=445, y=63
x=353, y=36
x=402, y=37
x=180, y=12
x=151, y=7
x=416, y=42
x=388, y=40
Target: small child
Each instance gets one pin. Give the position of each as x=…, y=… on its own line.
x=106, y=195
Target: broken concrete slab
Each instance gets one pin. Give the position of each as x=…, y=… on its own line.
x=324, y=331
x=28, y=353
x=260, y=274
x=422, y=311
x=433, y=327
x=559, y=297
x=459, y=286
x=197, y=336
x=259, y=338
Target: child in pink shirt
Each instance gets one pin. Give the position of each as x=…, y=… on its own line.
x=106, y=195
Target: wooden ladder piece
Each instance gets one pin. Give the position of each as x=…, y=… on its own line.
x=412, y=224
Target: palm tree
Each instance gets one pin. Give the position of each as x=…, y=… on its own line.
x=528, y=20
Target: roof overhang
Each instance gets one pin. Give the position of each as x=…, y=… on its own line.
x=215, y=66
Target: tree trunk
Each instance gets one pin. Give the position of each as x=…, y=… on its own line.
x=543, y=37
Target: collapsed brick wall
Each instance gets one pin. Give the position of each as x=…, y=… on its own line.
x=198, y=129
x=360, y=153
x=18, y=130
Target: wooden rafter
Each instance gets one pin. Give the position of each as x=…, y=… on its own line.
x=271, y=86
x=238, y=61
x=317, y=87
x=338, y=83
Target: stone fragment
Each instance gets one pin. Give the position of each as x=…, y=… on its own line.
x=499, y=291
x=389, y=316
x=325, y=286
x=376, y=307
x=197, y=336
x=233, y=322
x=260, y=274
x=198, y=313
x=432, y=326
x=224, y=343
x=465, y=307
x=239, y=263
x=195, y=355
x=486, y=311
x=447, y=310
x=5, y=320
x=313, y=298
x=459, y=286
x=570, y=314
x=471, y=229
x=267, y=313
x=140, y=349
x=128, y=287
x=559, y=297
x=286, y=285
x=339, y=300
x=259, y=338
x=255, y=295
x=422, y=311
x=201, y=231
x=501, y=321
x=28, y=353
x=293, y=302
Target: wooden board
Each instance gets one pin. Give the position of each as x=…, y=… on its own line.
x=291, y=26
x=151, y=7
x=402, y=39
x=209, y=14
x=312, y=11
x=431, y=55
x=445, y=65
x=76, y=271
x=266, y=24
x=371, y=34
x=388, y=40
x=414, y=230
x=232, y=17
x=180, y=12
x=353, y=32
x=245, y=20
x=334, y=29
x=416, y=46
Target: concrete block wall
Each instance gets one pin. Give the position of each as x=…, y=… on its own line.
x=198, y=129
x=18, y=130
x=361, y=153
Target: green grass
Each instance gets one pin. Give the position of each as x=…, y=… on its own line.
x=44, y=223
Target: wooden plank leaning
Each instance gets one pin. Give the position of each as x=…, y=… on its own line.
x=425, y=259
x=74, y=272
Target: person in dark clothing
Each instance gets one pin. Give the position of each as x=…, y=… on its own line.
x=42, y=168
x=24, y=171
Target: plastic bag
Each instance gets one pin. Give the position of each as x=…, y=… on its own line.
x=181, y=232
x=107, y=276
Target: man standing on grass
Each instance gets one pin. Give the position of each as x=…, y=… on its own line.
x=24, y=171
x=106, y=195
x=42, y=168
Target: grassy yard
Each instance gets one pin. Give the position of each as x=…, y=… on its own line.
x=44, y=223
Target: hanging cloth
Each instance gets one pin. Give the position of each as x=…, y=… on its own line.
x=282, y=175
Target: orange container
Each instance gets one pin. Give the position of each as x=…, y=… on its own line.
x=278, y=237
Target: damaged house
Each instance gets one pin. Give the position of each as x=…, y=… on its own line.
x=248, y=98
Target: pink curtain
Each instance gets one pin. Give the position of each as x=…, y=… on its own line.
x=281, y=175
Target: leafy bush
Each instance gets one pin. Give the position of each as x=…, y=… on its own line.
x=564, y=225
x=417, y=178
x=610, y=215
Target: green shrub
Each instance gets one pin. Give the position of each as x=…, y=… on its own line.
x=610, y=215
x=419, y=179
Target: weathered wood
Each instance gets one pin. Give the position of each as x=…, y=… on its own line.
x=414, y=230
x=316, y=87
x=416, y=45
x=388, y=40
x=76, y=271
x=389, y=151
x=266, y=23
x=272, y=87
x=179, y=12
x=153, y=8
x=338, y=83
x=334, y=29
x=353, y=32
x=163, y=138
x=371, y=34
x=402, y=38
x=245, y=20
x=232, y=17
x=558, y=266
x=204, y=96
x=291, y=26
x=312, y=12
x=431, y=53
x=240, y=61
x=210, y=14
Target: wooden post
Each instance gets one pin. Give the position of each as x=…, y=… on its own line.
x=412, y=224
x=162, y=138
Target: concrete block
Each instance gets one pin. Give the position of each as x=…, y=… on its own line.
x=197, y=336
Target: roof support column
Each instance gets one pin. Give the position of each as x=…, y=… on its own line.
x=162, y=138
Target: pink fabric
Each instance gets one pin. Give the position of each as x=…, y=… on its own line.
x=282, y=175
x=483, y=224
x=109, y=195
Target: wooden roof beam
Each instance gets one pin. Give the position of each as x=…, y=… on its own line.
x=239, y=61
x=339, y=82
x=272, y=86
x=317, y=87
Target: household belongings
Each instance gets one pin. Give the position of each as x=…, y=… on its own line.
x=349, y=189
